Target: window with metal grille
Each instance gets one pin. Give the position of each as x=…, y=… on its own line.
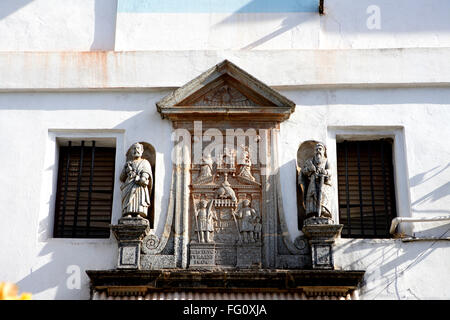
x=366, y=188
x=85, y=191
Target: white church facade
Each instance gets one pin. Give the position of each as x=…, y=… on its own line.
x=82, y=82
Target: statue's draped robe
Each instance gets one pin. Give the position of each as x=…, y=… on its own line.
x=245, y=170
x=205, y=222
x=135, y=197
x=311, y=182
x=206, y=169
x=247, y=216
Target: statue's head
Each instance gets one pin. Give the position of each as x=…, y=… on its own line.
x=203, y=203
x=319, y=149
x=137, y=150
x=246, y=203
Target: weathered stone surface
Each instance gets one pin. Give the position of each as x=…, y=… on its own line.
x=202, y=255
x=225, y=210
x=314, y=179
x=129, y=233
x=137, y=183
x=225, y=91
x=321, y=234
x=249, y=255
x=170, y=280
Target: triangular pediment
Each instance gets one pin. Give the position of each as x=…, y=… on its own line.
x=225, y=91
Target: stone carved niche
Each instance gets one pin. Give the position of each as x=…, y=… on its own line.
x=225, y=208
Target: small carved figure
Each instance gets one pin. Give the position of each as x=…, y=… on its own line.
x=315, y=179
x=206, y=167
x=225, y=191
x=204, y=221
x=229, y=158
x=246, y=165
x=137, y=184
x=258, y=228
x=247, y=217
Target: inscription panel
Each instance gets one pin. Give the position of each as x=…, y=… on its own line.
x=202, y=255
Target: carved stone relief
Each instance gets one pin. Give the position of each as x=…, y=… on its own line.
x=224, y=212
x=314, y=179
x=225, y=205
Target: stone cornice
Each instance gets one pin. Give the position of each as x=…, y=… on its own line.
x=311, y=282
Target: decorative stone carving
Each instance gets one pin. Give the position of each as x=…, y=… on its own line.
x=205, y=169
x=321, y=234
x=224, y=217
x=150, y=244
x=137, y=184
x=225, y=207
x=129, y=233
x=245, y=165
x=314, y=180
x=204, y=219
x=248, y=218
x=224, y=96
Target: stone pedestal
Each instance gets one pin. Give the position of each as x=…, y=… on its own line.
x=321, y=233
x=129, y=233
x=249, y=255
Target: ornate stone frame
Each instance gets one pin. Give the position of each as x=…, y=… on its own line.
x=266, y=109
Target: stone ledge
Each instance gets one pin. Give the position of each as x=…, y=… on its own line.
x=316, y=282
x=130, y=70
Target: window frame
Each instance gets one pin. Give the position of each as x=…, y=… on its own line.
x=56, y=137
x=375, y=156
x=82, y=154
x=399, y=158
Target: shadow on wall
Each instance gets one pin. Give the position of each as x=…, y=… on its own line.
x=9, y=7
x=436, y=194
x=279, y=9
x=105, y=27
x=58, y=270
x=386, y=262
x=67, y=260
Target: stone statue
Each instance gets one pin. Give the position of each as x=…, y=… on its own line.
x=247, y=217
x=137, y=184
x=315, y=181
x=246, y=165
x=204, y=221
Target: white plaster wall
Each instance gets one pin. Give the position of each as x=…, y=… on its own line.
x=346, y=24
x=39, y=264
x=84, y=25
x=54, y=25
x=69, y=102
x=416, y=111
x=29, y=256
x=394, y=269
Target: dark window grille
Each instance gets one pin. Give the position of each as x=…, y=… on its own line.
x=84, y=191
x=366, y=188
